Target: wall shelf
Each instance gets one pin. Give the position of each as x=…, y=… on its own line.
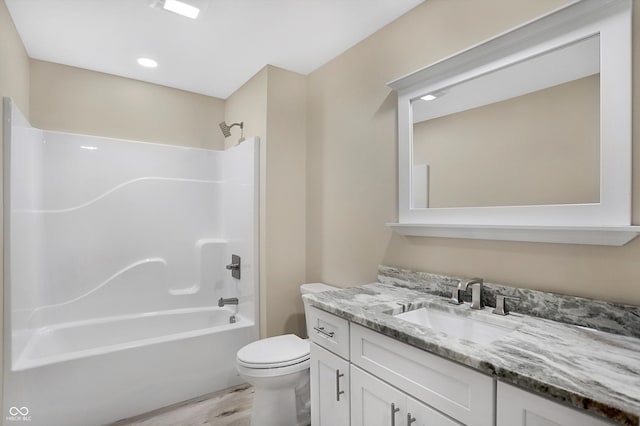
x=596, y=235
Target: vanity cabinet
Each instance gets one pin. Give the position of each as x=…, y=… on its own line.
x=375, y=403
x=517, y=407
x=360, y=377
x=455, y=390
x=350, y=365
x=330, y=385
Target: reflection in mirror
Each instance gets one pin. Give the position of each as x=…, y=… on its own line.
x=526, y=134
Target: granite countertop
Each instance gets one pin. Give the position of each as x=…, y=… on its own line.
x=578, y=366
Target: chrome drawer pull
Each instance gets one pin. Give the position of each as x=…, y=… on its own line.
x=394, y=410
x=338, y=391
x=322, y=331
x=410, y=419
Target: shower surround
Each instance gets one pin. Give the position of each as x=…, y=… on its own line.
x=115, y=255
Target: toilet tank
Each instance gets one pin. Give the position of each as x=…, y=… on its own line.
x=313, y=288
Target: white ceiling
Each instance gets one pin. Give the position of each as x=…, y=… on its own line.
x=214, y=55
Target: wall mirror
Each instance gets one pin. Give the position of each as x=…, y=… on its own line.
x=529, y=129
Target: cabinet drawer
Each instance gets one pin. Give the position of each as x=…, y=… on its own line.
x=457, y=391
x=329, y=331
x=517, y=407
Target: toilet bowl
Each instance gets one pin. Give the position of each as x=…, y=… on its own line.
x=278, y=369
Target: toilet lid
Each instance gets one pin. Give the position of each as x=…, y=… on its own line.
x=278, y=351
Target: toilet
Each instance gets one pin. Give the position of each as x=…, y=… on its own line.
x=278, y=369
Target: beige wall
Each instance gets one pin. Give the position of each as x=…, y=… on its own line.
x=285, y=256
x=248, y=105
x=272, y=105
x=536, y=149
x=352, y=171
x=14, y=83
x=14, y=63
x=77, y=100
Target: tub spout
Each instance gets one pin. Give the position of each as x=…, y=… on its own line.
x=229, y=301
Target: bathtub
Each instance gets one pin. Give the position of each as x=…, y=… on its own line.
x=113, y=269
x=98, y=371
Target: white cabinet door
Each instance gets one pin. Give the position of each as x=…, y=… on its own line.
x=330, y=396
x=520, y=408
x=457, y=391
x=419, y=414
x=374, y=403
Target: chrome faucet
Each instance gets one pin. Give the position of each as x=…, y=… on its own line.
x=501, y=306
x=229, y=301
x=456, y=294
x=476, y=292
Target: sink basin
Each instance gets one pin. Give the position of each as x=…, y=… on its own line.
x=457, y=326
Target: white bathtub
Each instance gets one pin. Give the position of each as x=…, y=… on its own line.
x=113, y=270
x=81, y=339
x=99, y=371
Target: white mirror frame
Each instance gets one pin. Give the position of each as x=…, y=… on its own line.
x=611, y=19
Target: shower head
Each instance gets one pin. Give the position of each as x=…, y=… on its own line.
x=226, y=129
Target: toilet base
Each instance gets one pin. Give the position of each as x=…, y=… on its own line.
x=282, y=400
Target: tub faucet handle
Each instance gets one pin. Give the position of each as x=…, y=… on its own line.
x=234, y=266
x=229, y=301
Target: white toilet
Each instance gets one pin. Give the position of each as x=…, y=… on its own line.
x=278, y=369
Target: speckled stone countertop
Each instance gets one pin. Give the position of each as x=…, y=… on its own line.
x=585, y=368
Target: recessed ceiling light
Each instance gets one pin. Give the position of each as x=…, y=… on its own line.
x=428, y=97
x=181, y=8
x=148, y=63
